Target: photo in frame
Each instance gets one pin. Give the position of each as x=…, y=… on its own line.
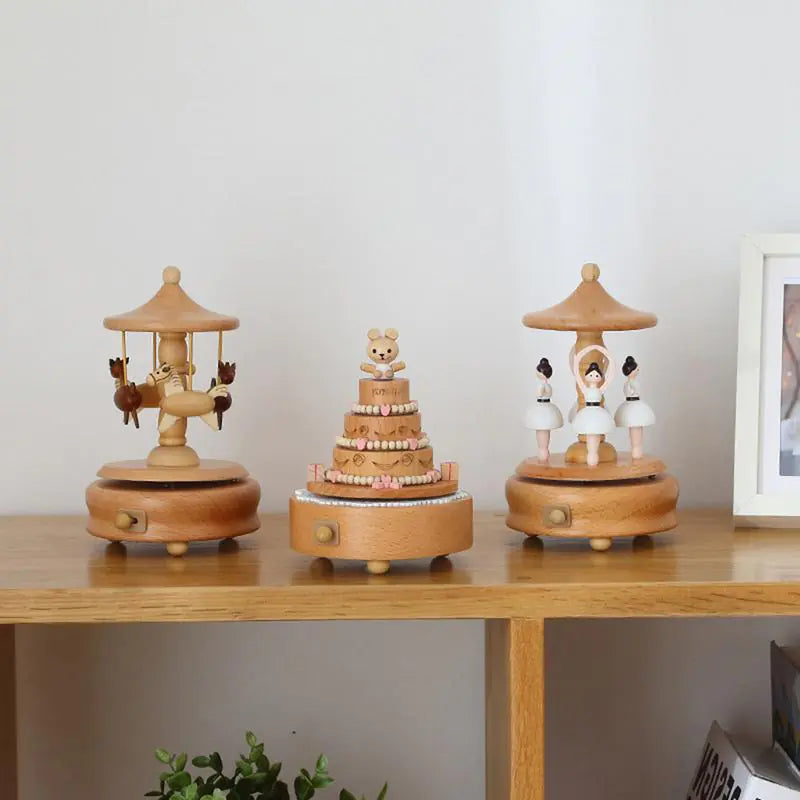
x=767, y=451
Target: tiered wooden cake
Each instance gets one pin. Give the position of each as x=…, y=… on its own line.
x=382, y=498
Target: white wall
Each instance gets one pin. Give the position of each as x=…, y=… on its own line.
x=319, y=168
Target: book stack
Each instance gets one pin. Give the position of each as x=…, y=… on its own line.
x=731, y=768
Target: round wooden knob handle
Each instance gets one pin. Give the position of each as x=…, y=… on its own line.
x=324, y=534
x=557, y=516
x=123, y=520
x=171, y=275
x=590, y=272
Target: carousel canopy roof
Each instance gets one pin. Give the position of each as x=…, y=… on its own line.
x=171, y=310
x=589, y=308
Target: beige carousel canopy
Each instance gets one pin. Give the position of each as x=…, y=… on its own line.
x=589, y=308
x=171, y=310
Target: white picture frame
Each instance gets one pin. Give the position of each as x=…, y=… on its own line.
x=762, y=496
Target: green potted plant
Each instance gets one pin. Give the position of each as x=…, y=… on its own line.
x=255, y=778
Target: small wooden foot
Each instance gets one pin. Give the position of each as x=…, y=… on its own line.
x=441, y=564
x=177, y=548
x=533, y=543
x=377, y=567
x=600, y=544
x=321, y=567
x=116, y=550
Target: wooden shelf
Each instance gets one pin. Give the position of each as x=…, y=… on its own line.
x=53, y=571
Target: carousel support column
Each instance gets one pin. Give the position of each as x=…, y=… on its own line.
x=576, y=452
x=172, y=450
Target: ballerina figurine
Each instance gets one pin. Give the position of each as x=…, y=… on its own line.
x=593, y=421
x=544, y=416
x=633, y=413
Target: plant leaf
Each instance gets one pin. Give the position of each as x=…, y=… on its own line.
x=251, y=739
x=163, y=756
x=382, y=795
x=178, y=780
x=180, y=762
x=322, y=764
x=215, y=759
x=201, y=761
x=345, y=795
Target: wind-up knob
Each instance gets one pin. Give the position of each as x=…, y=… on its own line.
x=171, y=275
x=590, y=272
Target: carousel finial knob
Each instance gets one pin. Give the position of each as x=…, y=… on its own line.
x=590, y=272
x=171, y=275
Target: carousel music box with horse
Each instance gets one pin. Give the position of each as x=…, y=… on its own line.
x=591, y=491
x=382, y=498
x=173, y=496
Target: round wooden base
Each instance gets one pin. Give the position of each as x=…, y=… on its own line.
x=600, y=511
x=380, y=532
x=558, y=468
x=207, y=469
x=126, y=511
x=344, y=490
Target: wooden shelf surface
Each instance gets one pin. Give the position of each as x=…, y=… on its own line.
x=51, y=571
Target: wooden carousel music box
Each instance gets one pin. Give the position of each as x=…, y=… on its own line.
x=591, y=491
x=173, y=496
x=382, y=498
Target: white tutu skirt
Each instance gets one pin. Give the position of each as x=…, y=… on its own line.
x=634, y=414
x=593, y=420
x=543, y=417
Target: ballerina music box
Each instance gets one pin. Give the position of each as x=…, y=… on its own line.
x=172, y=496
x=591, y=491
x=382, y=498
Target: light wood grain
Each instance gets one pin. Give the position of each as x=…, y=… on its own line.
x=607, y=510
x=379, y=393
x=397, y=426
x=624, y=468
x=384, y=462
x=53, y=571
x=208, y=469
x=188, y=513
x=171, y=310
x=383, y=533
x=589, y=308
x=515, y=709
x=8, y=714
x=327, y=489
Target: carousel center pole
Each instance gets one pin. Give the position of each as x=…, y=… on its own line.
x=576, y=452
x=172, y=450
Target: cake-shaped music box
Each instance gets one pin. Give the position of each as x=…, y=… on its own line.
x=591, y=491
x=172, y=496
x=382, y=498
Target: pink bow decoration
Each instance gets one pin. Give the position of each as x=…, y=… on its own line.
x=361, y=443
x=385, y=410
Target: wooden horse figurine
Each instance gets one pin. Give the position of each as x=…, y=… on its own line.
x=177, y=401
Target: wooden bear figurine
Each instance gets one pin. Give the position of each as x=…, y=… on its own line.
x=383, y=350
x=226, y=373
